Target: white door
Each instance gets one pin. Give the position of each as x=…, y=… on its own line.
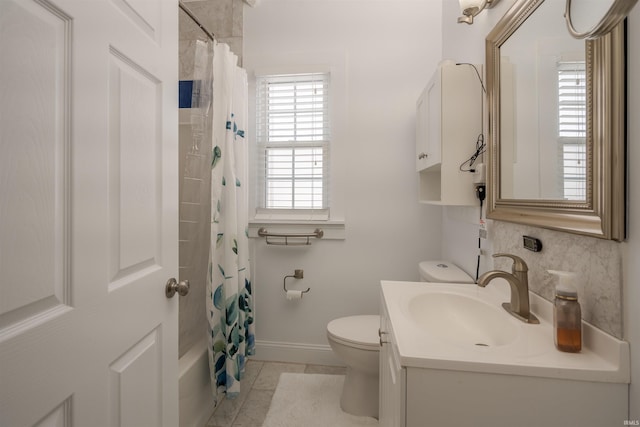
x=88, y=212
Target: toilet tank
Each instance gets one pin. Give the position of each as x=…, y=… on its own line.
x=442, y=271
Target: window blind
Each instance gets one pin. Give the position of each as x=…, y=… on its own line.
x=572, y=114
x=293, y=135
x=572, y=99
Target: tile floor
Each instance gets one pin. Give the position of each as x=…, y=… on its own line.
x=250, y=408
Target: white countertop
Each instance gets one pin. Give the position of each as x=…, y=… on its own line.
x=603, y=358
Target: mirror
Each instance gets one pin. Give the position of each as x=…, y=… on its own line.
x=594, y=18
x=543, y=107
x=556, y=123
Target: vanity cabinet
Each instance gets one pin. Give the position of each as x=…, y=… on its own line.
x=431, y=380
x=448, y=123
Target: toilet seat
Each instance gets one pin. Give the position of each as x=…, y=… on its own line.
x=356, y=331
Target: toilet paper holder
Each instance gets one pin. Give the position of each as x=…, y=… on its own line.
x=297, y=274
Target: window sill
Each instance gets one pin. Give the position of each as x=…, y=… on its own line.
x=333, y=230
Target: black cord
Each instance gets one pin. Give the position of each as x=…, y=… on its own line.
x=480, y=145
x=481, y=194
x=478, y=263
x=477, y=73
x=480, y=149
x=479, y=246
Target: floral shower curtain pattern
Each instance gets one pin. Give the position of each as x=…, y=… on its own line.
x=229, y=294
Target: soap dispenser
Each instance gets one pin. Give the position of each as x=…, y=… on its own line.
x=567, y=317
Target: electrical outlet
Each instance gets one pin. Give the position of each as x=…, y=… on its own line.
x=531, y=243
x=479, y=176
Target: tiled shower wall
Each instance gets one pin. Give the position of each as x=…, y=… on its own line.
x=224, y=19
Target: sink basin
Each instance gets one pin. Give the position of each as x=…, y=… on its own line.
x=462, y=320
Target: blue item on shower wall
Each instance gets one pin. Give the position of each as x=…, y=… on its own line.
x=185, y=88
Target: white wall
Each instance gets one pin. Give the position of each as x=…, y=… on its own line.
x=381, y=53
x=466, y=43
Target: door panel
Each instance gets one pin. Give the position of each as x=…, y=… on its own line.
x=135, y=165
x=135, y=393
x=34, y=162
x=88, y=212
x=59, y=417
x=144, y=13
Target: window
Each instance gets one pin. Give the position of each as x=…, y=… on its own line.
x=572, y=114
x=292, y=134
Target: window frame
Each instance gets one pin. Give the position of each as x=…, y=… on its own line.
x=264, y=143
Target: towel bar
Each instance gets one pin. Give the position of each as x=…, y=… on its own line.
x=317, y=233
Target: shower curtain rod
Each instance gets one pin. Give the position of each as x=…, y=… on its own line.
x=193, y=17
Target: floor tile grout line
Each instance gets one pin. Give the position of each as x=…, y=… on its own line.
x=246, y=398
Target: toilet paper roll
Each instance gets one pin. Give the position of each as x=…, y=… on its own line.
x=294, y=294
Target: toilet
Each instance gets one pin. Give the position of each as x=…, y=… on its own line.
x=354, y=339
x=443, y=272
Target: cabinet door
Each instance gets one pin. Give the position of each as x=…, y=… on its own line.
x=391, y=394
x=428, y=125
x=386, y=388
x=434, y=120
x=421, y=131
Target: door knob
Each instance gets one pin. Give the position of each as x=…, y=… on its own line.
x=173, y=286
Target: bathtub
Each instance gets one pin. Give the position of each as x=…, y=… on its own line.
x=196, y=401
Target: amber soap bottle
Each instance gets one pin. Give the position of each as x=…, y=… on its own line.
x=567, y=316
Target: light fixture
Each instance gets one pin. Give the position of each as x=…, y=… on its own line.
x=471, y=8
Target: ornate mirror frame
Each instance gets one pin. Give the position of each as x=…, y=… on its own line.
x=603, y=213
x=618, y=11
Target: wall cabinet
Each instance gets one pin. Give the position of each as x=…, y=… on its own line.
x=448, y=124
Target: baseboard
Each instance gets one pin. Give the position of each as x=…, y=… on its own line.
x=277, y=351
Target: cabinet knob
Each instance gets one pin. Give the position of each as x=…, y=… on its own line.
x=422, y=156
x=380, y=334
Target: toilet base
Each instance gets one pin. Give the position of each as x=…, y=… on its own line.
x=360, y=393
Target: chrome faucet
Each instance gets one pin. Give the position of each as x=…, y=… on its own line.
x=519, y=283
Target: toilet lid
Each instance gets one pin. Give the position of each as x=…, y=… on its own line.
x=361, y=330
x=443, y=271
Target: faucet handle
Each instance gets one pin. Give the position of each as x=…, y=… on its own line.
x=518, y=263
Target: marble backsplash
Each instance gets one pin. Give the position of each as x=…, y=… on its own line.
x=597, y=263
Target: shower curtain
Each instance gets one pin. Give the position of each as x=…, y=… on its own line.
x=229, y=294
